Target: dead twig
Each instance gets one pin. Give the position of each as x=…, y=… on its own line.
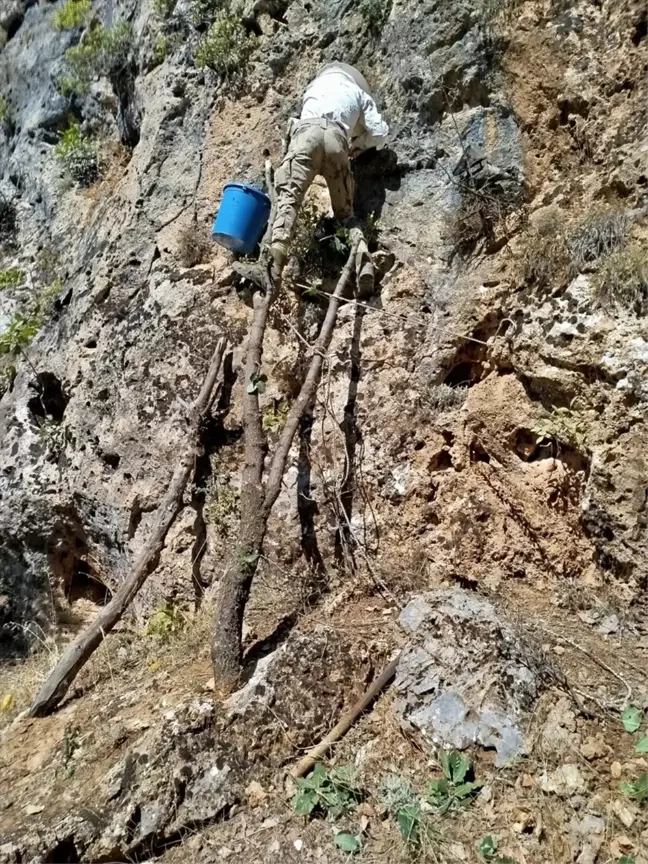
x=308, y=761
x=80, y=651
x=561, y=638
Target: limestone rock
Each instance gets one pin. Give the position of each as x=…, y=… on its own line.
x=461, y=679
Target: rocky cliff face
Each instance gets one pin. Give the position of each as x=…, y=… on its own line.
x=481, y=424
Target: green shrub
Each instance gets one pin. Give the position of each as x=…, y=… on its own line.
x=4, y=109
x=102, y=52
x=563, y=425
x=164, y=8
x=79, y=155
x=25, y=324
x=204, y=11
x=166, y=622
x=275, y=416
x=622, y=279
x=160, y=49
x=332, y=793
x=73, y=14
x=225, y=48
x=597, y=235
x=11, y=278
x=21, y=331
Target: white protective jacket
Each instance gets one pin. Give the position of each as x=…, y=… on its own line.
x=341, y=93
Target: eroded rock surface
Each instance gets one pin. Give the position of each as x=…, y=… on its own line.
x=462, y=678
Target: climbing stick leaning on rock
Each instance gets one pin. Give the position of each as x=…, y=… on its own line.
x=339, y=119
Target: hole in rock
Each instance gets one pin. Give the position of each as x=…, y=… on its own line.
x=50, y=400
x=464, y=374
x=85, y=585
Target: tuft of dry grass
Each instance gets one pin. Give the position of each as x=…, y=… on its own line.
x=442, y=397
x=622, y=280
x=597, y=235
x=194, y=245
x=484, y=215
x=545, y=258
x=21, y=679
x=122, y=654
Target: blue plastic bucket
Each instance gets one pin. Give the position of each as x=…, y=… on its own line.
x=242, y=216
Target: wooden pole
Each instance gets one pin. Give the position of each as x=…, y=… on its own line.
x=308, y=761
x=78, y=653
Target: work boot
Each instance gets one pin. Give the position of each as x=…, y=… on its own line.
x=252, y=271
x=255, y=271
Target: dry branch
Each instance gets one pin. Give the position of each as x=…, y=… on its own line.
x=78, y=653
x=257, y=498
x=308, y=761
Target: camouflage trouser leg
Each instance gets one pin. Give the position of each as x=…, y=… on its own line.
x=294, y=176
x=336, y=169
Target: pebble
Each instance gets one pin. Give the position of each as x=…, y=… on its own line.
x=298, y=844
x=623, y=814
x=616, y=770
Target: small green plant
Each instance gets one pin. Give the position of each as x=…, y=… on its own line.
x=371, y=228
x=11, y=278
x=79, y=155
x=73, y=14
x=375, y=14
x=637, y=790
x=226, y=48
x=331, y=793
x=274, y=417
x=222, y=502
x=454, y=789
x=622, y=279
x=4, y=109
x=257, y=383
x=19, y=334
x=161, y=49
x=488, y=847
x=632, y=718
x=597, y=235
x=165, y=622
x=563, y=425
x=404, y=805
x=349, y=843
x=103, y=51
x=26, y=323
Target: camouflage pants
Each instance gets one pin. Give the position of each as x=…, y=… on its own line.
x=316, y=147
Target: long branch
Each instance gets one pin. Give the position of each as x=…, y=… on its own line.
x=303, y=400
x=78, y=653
x=236, y=582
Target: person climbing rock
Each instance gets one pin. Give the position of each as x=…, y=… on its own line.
x=339, y=119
